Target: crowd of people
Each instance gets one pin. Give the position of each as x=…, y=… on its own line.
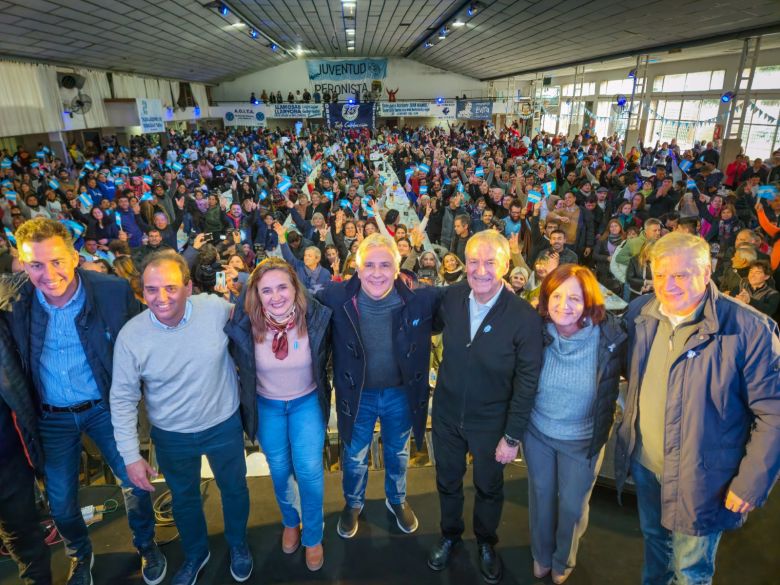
x=529, y=262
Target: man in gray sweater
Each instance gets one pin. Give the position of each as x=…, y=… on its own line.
x=176, y=356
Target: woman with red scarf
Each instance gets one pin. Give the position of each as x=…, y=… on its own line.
x=280, y=344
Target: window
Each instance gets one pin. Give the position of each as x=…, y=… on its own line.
x=588, y=88
x=759, y=136
x=681, y=120
x=603, y=118
x=695, y=81
x=616, y=86
x=767, y=78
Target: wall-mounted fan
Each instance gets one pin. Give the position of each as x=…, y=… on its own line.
x=81, y=104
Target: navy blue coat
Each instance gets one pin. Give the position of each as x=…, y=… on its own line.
x=16, y=392
x=412, y=328
x=242, y=348
x=108, y=306
x=722, y=427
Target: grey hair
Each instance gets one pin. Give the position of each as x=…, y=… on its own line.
x=678, y=243
x=378, y=240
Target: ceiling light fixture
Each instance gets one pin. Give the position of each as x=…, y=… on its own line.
x=298, y=50
x=428, y=44
x=727, y=97
x=458, y=23
x=473, y=10
x=350, y=31
x=350, y=48
x=253, y=33
x=274, y=47
x=224, y=10
x=442, y=34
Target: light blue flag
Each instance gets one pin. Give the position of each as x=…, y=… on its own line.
x=423, y=189
x=9, y=235
x=284, y=185
x=177, y=167
x=147, y=196
x=685, y=165
x=54, y=184
x=46, y=149
x=447, y=181
x=6, y=183
x=548, y=188
x=234, y=150
x=306, y=167
x=534, y=196
x=263, y=195
x=41, y=154
x=110, y=149
x=124, y=149
x=382, y=179
x=218, y=168
x=11, y=195
x=86, y=200
x=362, y=158
x=424, y=168
x=472, y=152
x=460, y=187
x=5, y=164
x=563, y=160
x=117, y=170
x=607, y=159
x=580, y=155
x=89, y=166
x=35, y=165
x=344, y=203
x=767, y=192
x=479, y=172
x=75, y=228
x=408, y=173
x=691, y=184
x=118, y=219
x=148, y=179
x=328, y=194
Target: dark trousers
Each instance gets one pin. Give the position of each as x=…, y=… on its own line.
x=20, y=530
x=450, y=445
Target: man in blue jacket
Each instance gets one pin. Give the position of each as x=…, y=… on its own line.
x=701, y=429
x=381, y=350
x=65, y=322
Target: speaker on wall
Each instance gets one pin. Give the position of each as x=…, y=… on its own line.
x=70, y=80
x=546, y=80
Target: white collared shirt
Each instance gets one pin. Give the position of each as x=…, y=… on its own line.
x=478, y=311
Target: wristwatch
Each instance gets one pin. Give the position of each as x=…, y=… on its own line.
x=510, y=441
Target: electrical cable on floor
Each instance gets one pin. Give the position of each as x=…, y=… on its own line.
x=163, y=511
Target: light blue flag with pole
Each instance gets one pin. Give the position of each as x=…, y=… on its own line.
x=118, y=219
x=147, y=196
x=685, y=165
x=534, y=196
x=424, y=168
x=9, y=235
x=472, y=152
x=284, y=185
x=479, y=172
x=263, y=195
x=691, y=184
x=328, y=194
x=54, y=184
x=75, y=228
x=11, y=196
x=767, y=192
x=177, y=167
x=423, y=189
x=548, y=188
x=86, y=200
x=148, y=179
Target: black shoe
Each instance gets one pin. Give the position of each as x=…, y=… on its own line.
x=348, y=521
x=490, y=564
x=404, y=516
x=189, y=572
x=81, y=571
x=440, y=555
x=153, y=564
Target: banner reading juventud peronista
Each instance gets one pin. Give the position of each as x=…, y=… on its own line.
x=345, y=76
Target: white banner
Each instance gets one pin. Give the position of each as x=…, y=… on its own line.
x=292, y=110
x=421, y=109
x=150, y=115
x=240, y=115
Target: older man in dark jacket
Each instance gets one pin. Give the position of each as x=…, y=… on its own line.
x=701, y=429
x=20, y=455
x=65, y=322
x=381, y=350
x=484, y=395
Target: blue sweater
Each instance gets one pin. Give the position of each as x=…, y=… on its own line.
x=567, y=385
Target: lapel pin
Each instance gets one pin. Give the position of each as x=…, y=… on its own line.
x=691, y=354
x=487, y=329
x=415, y=322
x=611, y=347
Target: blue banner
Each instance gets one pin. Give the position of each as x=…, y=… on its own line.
x=352, y=70
x=351, y=116
x=474, y=109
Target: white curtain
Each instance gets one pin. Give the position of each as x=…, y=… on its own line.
x=174, y=93
x=28, y=99
x=199, y=93
x=129, y=86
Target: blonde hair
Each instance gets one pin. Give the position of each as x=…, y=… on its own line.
x=377, y=240
x=678, y=243
x=253, y=305
x=40, y=229
x=492, y=239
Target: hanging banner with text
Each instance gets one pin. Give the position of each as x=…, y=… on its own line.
x=421, y=109
x=475, y=109
x=347, y=76
x=243, y=115
x=150, y=115
x=293, y=111
x=351, y=116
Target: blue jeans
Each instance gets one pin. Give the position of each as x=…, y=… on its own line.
x=391, y=406
x=670, y=557
x=179, y=455
x=292, y=434
x=61, y=438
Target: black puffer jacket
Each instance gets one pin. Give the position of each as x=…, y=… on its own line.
x=15, y=388
x=242, y=348
x=612, y=347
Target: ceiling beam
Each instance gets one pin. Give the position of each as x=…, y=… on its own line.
x=449, y=15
